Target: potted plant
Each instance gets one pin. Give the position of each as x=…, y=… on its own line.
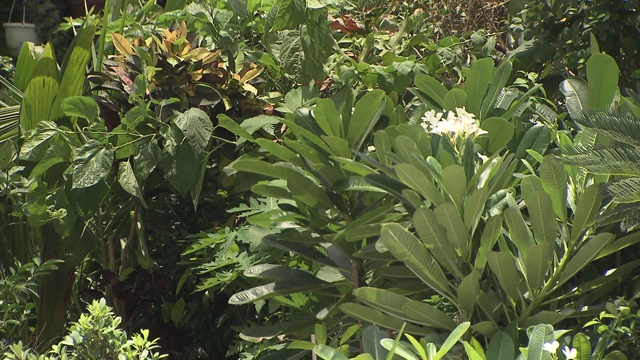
x=16, y=33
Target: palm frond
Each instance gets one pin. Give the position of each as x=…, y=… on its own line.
x=624, y=128
x=623, y=161
x=625, y=190
x=9, y=122
x=626, y=215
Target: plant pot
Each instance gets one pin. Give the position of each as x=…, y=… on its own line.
x=76, y=8
x=17, y=33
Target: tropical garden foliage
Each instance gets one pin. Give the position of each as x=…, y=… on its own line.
x=344, y=179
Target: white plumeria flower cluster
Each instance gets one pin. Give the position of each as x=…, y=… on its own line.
x=457, y=124
x=552, y=347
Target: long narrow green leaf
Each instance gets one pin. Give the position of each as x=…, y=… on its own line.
x=554, y=181
x=543, y=221
x=518, y=231
x=576, y=97
x=602, y=77
x=377, y=317
x=327, y=117
x=434, y=236
x=452, y=339
x=477, y=83
x=499, y=80
x=586, y=208
x=537, y=263
x=587, y=252
x=383, y=300
x=449, y=217
x=411, y=251
x=503, y=265
x=326, y=352
x=365, y=116
x=432, y=88
x=419, y=182
x=425, y=314
x=501, y=347
x=276, y=288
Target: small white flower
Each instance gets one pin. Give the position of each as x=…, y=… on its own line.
x=456, y=124
x=570, y=353
x=551, y=347
x=371, y=148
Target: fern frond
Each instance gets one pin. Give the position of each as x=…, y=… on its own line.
x=627, y=215
x=626, y=190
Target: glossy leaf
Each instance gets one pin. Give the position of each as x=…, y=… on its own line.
x=305, y=190
x=587, y=252
x=554, y=181
x=407, y=248
x=536, y=138
x=586, y=208
x=581, y=343
x=602, y=77
x=328, y=353
x=434, y=236
x=518, y=230
x=93, y=162
x=576, y=96
x=543, y=221
x=127, y=179
x=477, y=83
x=383, y=300
x=432, y=88
x=80, y=106
x=500, y=77
x=468, y=292
x=451, y=340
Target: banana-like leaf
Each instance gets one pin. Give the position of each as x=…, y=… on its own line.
x=377, y=317
x=554, y=181
x=40, y=94
x=503, y=265
x=586, y=253
x=407, y=248
x=541, y=217
x=602, y=77
x=449, y=217
x=25, y=65
x=477, y=83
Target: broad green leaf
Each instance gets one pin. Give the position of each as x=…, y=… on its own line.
x=127, y=179
x=419, y=182
x=454, y=98
x=407, y=248
x=355, y=183
x=278, y=150
x=500, y=132
x=371, y=337
x=398, y=349
x=365, y=116
x=40, y=94
x=586, y=253
x=449, y=217
x=25, y=64
x=407, y=149
x=339, y=145
x=263, y=168
x=602, y=77
x=432, y=88
x=543, y=221
x=93, y=162
x=477, y=83
x=301, y=249
x=529, y=185
x=308, y=192
x=277, y=288
x=554, y=181
x=228, y=123
x=434, y=236
x=500, y=78
x=472, y=353
x=425, y=314
x=503, y=265
x=544, y=317
x=454, y=180
x=146, y=158
x=383, y=300
x=37, y=143
x=576, y=97
x=327, y=117
x=581, y=343
x=468, y=292
x=259, y=333
x=586, y=208
x=377, y=317
x=81, y=106
x=474, y=207
x=328, y=353
x=285, y=14
x=196, y=127
x=488, y=239
x=382, y=143
x=518, y=230
x=536, y=138
x=536, y=340
x=501, y=347
x=74, y=67
x=537, y=264
x=321, y=333
x=620, y=244
x=275, y=272
x=451, y=340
